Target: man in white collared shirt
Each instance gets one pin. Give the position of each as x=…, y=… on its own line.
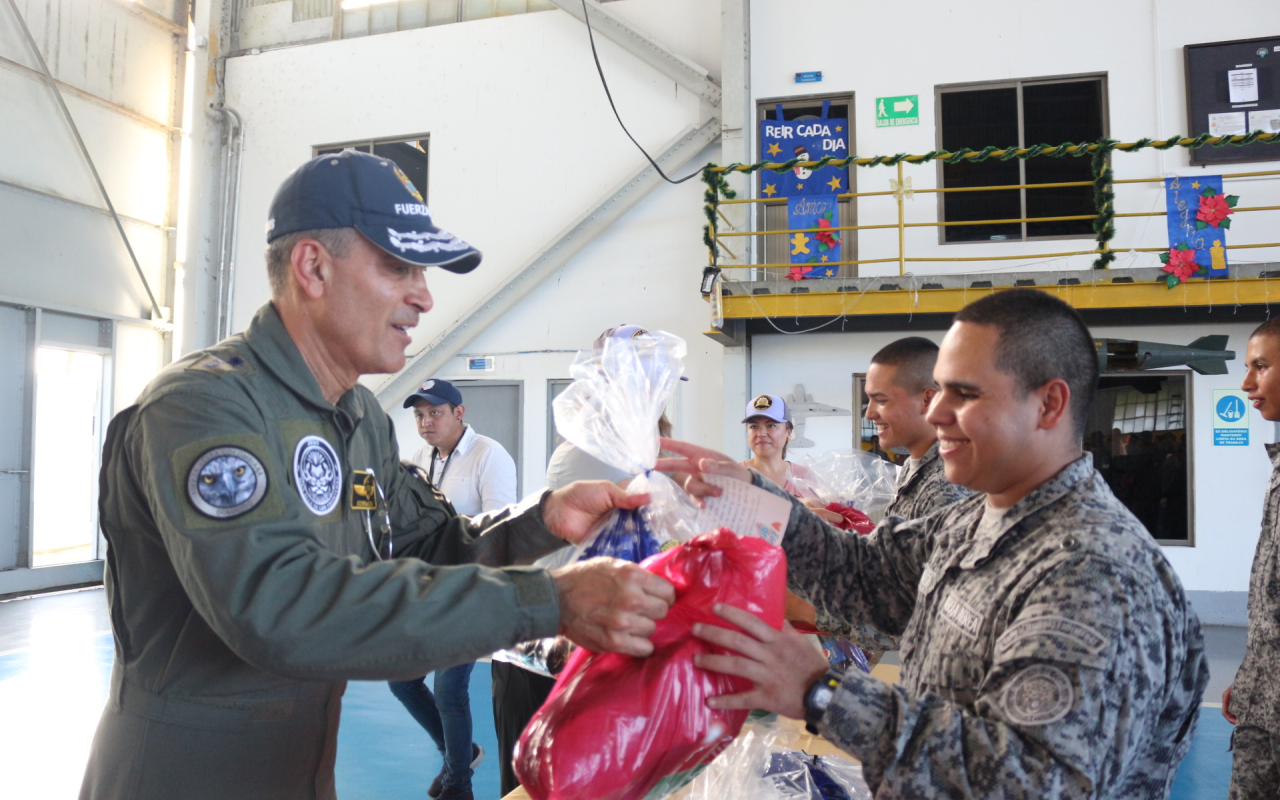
x=476, y=474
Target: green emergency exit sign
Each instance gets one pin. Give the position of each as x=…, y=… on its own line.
x=894, y=111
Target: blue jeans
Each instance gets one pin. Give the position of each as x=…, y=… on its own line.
x=446, y=717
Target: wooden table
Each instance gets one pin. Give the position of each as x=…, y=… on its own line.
x=804, y=740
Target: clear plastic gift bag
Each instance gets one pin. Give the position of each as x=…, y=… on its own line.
x=611, y=411
x=768, y=762
x=852, y=479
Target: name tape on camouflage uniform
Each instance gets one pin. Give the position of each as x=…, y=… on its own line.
x=317, y=471
x=226, y=482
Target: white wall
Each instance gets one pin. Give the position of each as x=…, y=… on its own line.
x=1229, y=482
x=912, y=46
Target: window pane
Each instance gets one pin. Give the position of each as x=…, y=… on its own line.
x=66, y=456
x=976, y=119
x=411, y=157
x=1054, y=113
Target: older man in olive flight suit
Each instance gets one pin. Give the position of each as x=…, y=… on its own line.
x=266, y=545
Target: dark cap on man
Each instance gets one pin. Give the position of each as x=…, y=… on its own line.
x=371, y=194
x=436, y=392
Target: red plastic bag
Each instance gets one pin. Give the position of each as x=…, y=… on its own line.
x=616, y=725
x=854, y=520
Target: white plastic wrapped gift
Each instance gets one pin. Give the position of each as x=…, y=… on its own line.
x=611, y=411
x=852, y=478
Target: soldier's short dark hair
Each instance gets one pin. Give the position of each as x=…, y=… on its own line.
x=915, y=357
x=1041, y=339
x=337, y=241
x=1269, y=328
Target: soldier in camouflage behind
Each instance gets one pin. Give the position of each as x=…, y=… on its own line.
x=899, y=389
x=1048, y=649
x=1252, y=702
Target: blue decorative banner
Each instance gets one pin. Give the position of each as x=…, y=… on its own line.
x=817, y=247
x=1198, y=224
x=809, y=140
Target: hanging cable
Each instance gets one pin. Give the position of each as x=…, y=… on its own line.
x=586, y=18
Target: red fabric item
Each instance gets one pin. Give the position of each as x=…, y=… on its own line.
x=616, y=725
x=854, y=520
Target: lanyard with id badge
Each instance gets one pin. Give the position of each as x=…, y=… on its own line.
x=367, y=497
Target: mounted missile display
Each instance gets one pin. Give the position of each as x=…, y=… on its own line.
x=1207, y=355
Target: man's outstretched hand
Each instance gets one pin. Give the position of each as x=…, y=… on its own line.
x=782, y=664
x=698, y=462
x=610, y=605
x=574, y=511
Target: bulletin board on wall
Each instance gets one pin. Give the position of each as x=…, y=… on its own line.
x=1233, y=88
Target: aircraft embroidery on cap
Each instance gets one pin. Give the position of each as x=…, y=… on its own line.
x=413, y=190
x=762, y=402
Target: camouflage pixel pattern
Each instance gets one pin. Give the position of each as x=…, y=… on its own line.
x=1255, y=696
x=924, y=489
x=1056, y=655
x=1255, y=768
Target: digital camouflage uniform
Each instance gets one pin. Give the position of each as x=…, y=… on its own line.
x=924, y=489
x=1053, y=656
x=1255, y=694
x=244, y=590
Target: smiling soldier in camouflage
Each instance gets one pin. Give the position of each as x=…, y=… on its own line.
x=1048, y=649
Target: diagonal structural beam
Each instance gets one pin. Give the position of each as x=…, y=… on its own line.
x=545, y=263
x=646, y=48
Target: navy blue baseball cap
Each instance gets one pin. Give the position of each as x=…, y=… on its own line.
x=371, y=194
x=437, y=392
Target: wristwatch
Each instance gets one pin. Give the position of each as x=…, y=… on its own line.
x=818, y=698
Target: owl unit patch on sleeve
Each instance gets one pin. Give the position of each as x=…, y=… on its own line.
x=226, y=482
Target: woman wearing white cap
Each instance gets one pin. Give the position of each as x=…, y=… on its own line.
x=769, y=428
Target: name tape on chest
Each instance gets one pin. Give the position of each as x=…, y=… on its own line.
x=1038, y=695
x=962, y=616
x=317, y=474
x=226, y=482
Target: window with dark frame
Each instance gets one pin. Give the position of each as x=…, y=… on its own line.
x=773, y=216
x=1019, y=113
x=1137, y=433
x=408, y=153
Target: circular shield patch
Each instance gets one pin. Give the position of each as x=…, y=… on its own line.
x=226, y=482
x=1038, y=695
x=317, y=473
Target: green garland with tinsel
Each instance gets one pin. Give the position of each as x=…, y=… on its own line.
x=1103, y=194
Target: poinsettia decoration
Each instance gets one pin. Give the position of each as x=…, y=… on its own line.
x=827, y=239
x=1214, y=209
x=1180, y=263
x=797, y=273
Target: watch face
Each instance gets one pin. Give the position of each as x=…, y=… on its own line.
x=822, y=697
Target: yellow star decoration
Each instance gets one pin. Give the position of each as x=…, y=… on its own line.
x=834, y=183
x=799, y=185
x=774, y=149
x=1195, y=185
x=769, y=190
x=830, y=272
x=801, y=243
x=839, y=128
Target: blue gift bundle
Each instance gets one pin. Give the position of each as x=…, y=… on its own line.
x=626, y=535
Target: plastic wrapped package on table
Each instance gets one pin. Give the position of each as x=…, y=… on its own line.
x=772, y=758
x=615, y=727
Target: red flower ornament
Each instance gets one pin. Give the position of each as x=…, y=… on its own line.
x=1214, y=209
x=829, y=238
x=1180, y=263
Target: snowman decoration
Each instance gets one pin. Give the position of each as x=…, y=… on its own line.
x=803, y=155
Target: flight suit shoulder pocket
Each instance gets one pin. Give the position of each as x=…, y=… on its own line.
x=225, y=479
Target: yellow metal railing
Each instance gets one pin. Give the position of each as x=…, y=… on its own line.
x=902, y=225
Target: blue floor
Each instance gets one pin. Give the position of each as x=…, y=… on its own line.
x=55, y=661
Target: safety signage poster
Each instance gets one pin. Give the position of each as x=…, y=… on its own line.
x=1230, y=418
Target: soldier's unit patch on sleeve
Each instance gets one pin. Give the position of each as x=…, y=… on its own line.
x=1038, y=695
x=226, y=482
x=1068, y=631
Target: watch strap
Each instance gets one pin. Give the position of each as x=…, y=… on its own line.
x=818, y=698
